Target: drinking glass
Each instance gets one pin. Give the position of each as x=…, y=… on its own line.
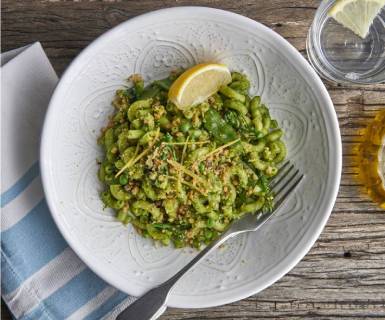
x=339, y=55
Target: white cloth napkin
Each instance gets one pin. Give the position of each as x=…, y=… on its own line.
x=42, y=278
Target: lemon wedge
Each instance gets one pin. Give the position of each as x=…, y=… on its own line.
x=198, y=83
x=356, y=15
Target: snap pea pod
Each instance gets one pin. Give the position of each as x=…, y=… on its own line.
x=232, y=94
x=138, y=87
x=150, y=92
x=163, y=84
x=218, y=128
x=236, y=105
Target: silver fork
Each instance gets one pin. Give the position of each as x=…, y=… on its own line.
x=153, y=303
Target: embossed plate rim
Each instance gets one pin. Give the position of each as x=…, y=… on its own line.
x=335, y=159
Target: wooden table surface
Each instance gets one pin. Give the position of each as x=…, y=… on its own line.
x=344, y=273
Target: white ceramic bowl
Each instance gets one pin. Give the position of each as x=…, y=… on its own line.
x=153, y=44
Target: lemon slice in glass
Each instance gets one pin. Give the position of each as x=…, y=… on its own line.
x=198, y=83
x=356, y=15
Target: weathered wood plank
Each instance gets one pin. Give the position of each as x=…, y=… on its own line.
x=344, y=273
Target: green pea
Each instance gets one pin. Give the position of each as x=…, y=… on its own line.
x=195, y=134
x=168, y=137
x=185, y=126
x=123, y=179
x=208, y=234
x=164, y=123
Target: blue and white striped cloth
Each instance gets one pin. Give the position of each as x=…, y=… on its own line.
x=41, y=277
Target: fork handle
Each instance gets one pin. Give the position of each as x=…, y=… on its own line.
x=153, y=302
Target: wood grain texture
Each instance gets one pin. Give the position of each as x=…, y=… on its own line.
x=343, y=276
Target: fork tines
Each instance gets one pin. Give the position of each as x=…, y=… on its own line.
x=285, y=182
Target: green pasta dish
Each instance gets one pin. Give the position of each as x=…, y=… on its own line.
x=182, y=176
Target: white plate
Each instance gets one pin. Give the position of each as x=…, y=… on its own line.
x=153, y=44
